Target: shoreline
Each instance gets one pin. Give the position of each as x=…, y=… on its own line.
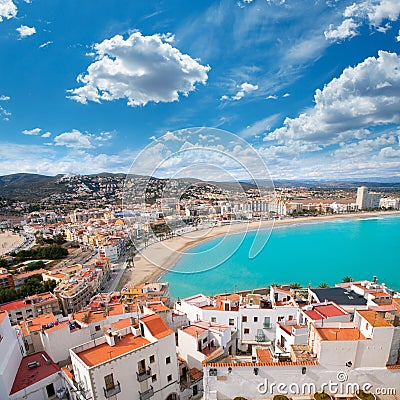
x=168, y=252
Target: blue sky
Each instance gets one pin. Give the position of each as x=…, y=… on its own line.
x=314, y=87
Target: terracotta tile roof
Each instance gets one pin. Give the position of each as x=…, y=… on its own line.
x=29, y=273
x=27, y=377
x=374, y=318
x=324, y=311
x=259, y=364
x=14, y=305
x=156, y=326
x=336, y=334
x=195, y=374
x=264, y=355
x=104, y=352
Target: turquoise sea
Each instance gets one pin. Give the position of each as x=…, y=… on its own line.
x=310, y=254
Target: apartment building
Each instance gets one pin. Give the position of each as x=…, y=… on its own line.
x=253, y=316
x=6, y=279
x=135, y=361
x=31, y=307
x=73, y=295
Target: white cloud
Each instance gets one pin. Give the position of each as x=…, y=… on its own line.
x=141, y=69
x=78, y=140
x=4, y=98
x=260, y=126
x=46, y=135
x=45, y=44
x=25, y=31
x=42, y=159
x=286, y=95
x=272, y=97
x=398, y=36
x=7, y=9
x=4, y=114
x=73, y=139
x=32, y=132
x=224, y=97
x=364, y=95
x=374, y=12
x=243, y=89
x=346, y=30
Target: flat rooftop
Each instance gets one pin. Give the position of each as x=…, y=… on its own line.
x=104, y=352
x=341, y=296
x=374, y=318
x=26, y=377
x=324, y=311
x=340, y=334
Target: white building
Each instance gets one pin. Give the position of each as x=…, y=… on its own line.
x=339, y=358
x=366, y=200
x=389, y=203
x=32, y=377
x=253, y=316
x=12, y=350
x=133, y=362
x=205, y=341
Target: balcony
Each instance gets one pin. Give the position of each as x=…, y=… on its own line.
x=143, y=375
x=112, y=391
x=146, y=394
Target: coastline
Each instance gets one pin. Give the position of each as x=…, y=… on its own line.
x=166, y=253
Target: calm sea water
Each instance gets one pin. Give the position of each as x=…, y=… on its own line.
x=310, y=254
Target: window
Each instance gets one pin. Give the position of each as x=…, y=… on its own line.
x=213, y=319
x=255, y=319
x=50, y=390
x=205, y=340
x=109, y=381
x=169, y=378
x=244, y=318
x=267, y=322
x=168, y=360
x=97, y=328
x=281, y=318
x=152, y=359
x=195, y=390
x=154, y=378
x=231, y=321
x=246, y=331
x=290, y=317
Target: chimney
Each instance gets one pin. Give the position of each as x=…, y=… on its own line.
x=110, y=339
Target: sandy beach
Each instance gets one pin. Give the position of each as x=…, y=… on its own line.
x=9, y=241
x=151, y=263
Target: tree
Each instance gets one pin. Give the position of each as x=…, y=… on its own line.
x=347, y=279
x=3, y=263
x=323, y=285
x=295, y=286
